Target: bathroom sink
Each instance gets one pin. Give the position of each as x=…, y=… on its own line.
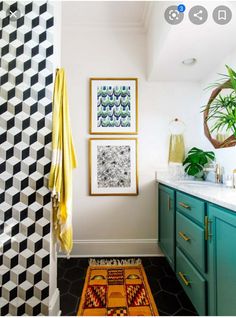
x=200, y=184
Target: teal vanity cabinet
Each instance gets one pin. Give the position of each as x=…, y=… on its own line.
x=199, y=240
x=222, y=261
x=166, y=200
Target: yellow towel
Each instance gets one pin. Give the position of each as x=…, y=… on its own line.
x=176, y=150
x=63, y=161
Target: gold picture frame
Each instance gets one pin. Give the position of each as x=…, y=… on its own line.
x=100, y=125
x=103, y=184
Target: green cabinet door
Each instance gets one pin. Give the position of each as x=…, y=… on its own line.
x=167, y=223
x=222, y=261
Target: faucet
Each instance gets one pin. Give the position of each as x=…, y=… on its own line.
x=218, y=175
x=217, y=170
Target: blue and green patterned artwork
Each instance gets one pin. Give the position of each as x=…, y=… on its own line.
x=113, y=106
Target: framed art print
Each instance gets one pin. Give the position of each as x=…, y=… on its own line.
x=113, y=106
x=113, y=166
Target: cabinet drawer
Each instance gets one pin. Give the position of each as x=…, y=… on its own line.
x=194, y=208
x=190, y=237
x=193, y=283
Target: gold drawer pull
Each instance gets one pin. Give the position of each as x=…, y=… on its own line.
x=208, y=234
x=169, y=203
x=184, y=237
x=185, y=281
x=185, y=206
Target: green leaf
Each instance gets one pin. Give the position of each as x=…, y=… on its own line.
x=210, y=155
x=232, y=76
x=196, y=160
x=203, y=160
x=193, y=169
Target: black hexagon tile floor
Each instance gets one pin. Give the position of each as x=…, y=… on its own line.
x=169, y=295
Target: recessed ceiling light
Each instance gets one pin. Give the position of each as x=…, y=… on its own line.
x=190, y=61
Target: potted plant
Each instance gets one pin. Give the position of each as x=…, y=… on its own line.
x=223, y=111
x=196, y=160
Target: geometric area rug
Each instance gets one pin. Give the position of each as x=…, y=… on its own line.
x=116, y=288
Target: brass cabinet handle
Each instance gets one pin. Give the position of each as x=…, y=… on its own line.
x=207, y=222
x=169, y=203
x=184, y=237
x=206, y=228
x=185, y=281
x=183, y=205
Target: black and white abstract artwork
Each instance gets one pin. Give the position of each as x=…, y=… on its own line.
x=113, y=166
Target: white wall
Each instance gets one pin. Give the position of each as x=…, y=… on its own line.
x=187, y=40
x=168, y=45
x=226, y=156
x=157, y=34
x=121, y=225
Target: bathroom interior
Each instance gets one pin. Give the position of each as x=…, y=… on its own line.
x=117, y=158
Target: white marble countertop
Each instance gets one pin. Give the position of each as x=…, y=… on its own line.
x=215, y=193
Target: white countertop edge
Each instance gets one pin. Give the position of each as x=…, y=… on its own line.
x=211, y=194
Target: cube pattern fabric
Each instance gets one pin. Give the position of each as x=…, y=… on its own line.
x=26, y=79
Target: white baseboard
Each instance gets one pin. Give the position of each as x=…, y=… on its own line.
x=115, y=248
x=54, y=305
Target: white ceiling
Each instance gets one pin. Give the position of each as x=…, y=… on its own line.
x=209, y=43
x=125, y=14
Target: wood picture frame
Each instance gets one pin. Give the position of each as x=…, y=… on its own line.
x=113, y=166
x=113, y=106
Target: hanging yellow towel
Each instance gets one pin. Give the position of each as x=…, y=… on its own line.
x=63, y=161
x=176, y=151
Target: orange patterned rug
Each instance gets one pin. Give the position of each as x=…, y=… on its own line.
x=118, y=289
